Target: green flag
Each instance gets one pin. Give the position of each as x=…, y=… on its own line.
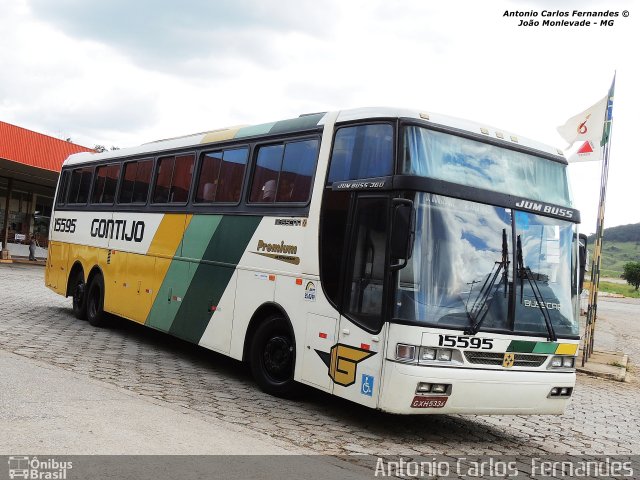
x=608, y=115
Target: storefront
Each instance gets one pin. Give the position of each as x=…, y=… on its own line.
x=30, y=163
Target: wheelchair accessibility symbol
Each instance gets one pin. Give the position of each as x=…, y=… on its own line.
x=367, y=385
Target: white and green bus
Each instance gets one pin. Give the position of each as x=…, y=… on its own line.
x=407, y=261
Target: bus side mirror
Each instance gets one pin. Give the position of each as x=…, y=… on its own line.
x=582, y=259
x=402, y=232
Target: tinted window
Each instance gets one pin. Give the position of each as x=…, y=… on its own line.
x=221, y=175
x=105, y=183
x=460, y=160
x=173, y=179
x=284, y=172
x=135, y=182
x=367, y=277
x=296, y=175
x=265, y=176
x=62, y=190
x=80, y=185
x=363, y=151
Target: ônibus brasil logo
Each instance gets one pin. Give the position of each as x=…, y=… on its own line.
x=33, y=468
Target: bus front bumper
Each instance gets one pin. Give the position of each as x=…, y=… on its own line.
x=473, y=391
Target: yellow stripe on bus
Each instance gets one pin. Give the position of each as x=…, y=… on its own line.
x=165, y=243
x=169, y=235
x=567, y=349
x=135, y=279
x=221, y=135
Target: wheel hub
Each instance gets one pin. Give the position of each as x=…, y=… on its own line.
x=278, y=353
x=78, y=293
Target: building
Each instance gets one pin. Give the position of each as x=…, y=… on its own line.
x=30, y=164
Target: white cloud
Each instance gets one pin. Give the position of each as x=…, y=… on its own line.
x=123, y=73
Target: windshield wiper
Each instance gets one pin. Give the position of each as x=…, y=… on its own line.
x=483, y=301
x=525, y=272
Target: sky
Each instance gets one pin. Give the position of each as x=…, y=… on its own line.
x=121, y=72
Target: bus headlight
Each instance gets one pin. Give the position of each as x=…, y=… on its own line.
x=563, y=361
x=423, y=387
x=432, y=354
x=444, y=355
x=427, y=353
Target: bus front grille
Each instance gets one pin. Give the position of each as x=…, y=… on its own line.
x=494, y=358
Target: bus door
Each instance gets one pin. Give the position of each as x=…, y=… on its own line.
x=357, y=358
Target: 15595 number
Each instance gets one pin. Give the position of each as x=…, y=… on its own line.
x=465, y=342
x=67, y=225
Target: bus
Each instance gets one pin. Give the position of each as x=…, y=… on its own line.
x=404, y=260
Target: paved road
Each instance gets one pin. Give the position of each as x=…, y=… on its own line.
x=618, y=326
x=37, y=324
x=48, y=409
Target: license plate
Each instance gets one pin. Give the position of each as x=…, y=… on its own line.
x=428, y=402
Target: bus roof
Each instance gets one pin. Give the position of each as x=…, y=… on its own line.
x=308, y=122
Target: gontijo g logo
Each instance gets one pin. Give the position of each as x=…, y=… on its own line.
x=343, y=362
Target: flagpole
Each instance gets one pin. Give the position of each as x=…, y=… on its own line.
x=592, y=310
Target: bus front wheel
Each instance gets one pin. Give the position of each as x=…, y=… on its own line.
x=273, y=356
x=95, y=302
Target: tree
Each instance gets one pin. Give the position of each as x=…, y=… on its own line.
x=632, y=273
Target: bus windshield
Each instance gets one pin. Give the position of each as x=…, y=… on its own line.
x=456, y=159
x=464, y=270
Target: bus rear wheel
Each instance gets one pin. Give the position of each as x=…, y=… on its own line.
x=78, y=292
x=273, y=356
x=95, y=302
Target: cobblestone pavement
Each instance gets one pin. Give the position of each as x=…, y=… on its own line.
x=39, y=324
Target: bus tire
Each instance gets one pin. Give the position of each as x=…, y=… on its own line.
x=273, y=356
x=79, y=296
x=95, y=302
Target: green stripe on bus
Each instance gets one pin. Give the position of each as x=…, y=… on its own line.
x=210, y=280
x=521, y=346
x=545, y=347
x=254, y=130
x=180, y=273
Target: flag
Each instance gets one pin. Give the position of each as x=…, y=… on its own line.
x=588, y=151
x=586, y=126
x=591, y=128
x=609, y=115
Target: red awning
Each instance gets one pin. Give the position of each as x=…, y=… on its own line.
x=24, y=146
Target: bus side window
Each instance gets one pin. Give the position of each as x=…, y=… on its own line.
x=362, y=151
x=221, y=175
x=298, y=165
x=104, y=185
x=135, y=182
x=284, y=172
x=80, y=185
x=173, y=179
x=62, y=191
x=265, y=176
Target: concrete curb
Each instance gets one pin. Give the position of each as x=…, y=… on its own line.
x=30, y=262
x=609, y=365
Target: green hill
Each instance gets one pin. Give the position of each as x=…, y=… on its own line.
x=621, y=233
x=621, y=244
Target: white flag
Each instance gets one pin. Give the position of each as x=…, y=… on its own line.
x=586, y=126
x=588, y=151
